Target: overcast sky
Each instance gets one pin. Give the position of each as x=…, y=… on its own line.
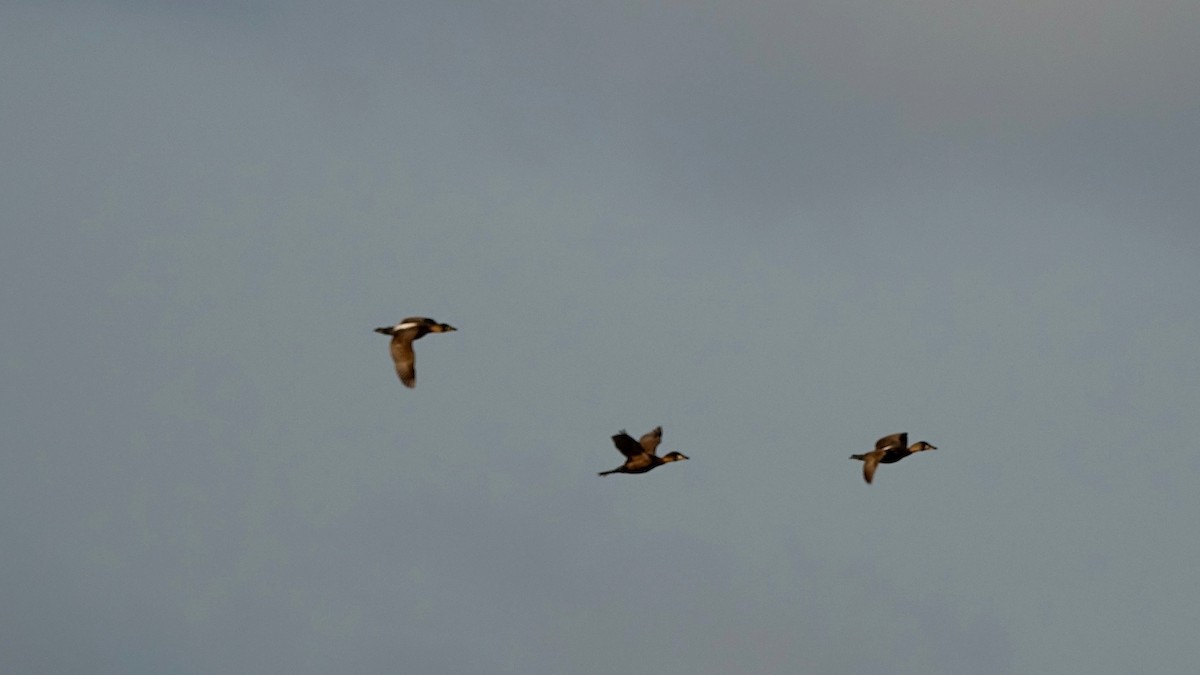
x=778, y=229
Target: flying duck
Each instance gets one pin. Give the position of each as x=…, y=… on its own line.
x=403, y=334
x=888, y=450
x=639, y=455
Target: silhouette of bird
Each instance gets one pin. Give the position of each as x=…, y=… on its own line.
x=639, y=455
x=403, y=334
x=889, y=450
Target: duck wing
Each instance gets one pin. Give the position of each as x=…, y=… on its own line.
x=893, y=442
x=413, y=322
x=402, y=355
x=628, y=447
x=870, y=461
x=650, y=441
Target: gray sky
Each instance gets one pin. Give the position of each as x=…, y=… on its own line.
x=781, y=230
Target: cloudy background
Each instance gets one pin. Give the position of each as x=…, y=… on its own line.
x=778, y=229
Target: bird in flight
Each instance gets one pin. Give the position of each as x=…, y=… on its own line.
x=403, y=334
x=639, y=455
x=889, y=450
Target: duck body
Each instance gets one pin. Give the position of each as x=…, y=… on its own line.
x=889, y=450
x=403, y=334
x=640, y=455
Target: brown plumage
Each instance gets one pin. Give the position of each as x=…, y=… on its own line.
x=889, y=450
x=640, y=455
x=403, y=334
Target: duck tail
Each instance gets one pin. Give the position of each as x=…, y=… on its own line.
x=605, y=473
x=861, y=458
